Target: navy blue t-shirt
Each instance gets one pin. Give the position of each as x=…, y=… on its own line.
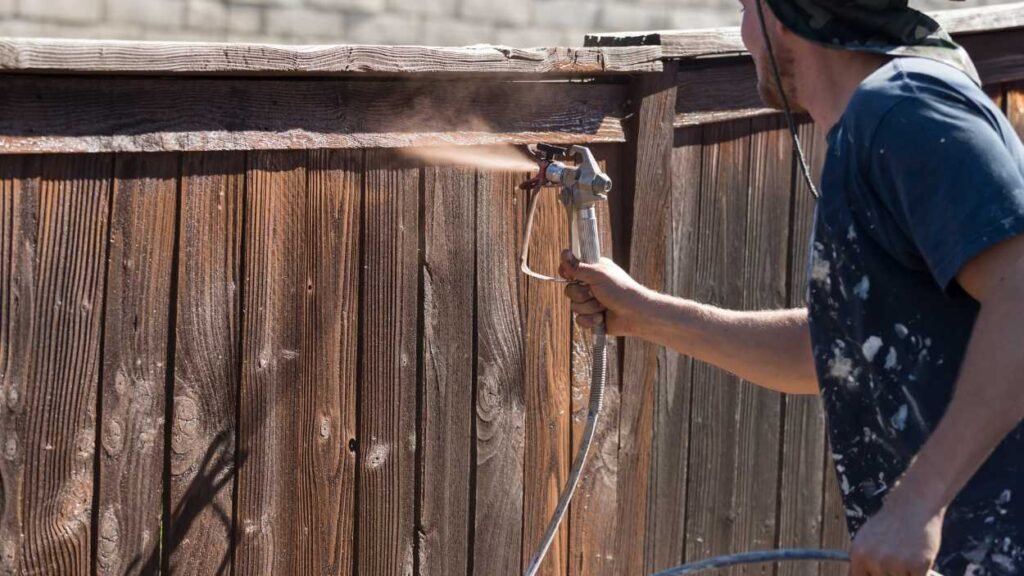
x=923, y=172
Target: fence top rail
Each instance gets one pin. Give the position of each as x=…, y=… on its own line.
x=72, y=56
x=727, y=41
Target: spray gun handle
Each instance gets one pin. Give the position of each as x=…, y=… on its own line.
x=588, y=239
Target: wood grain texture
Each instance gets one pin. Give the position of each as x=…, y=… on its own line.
x=206, y=377
x=727, y=41
x=135, y=363
x=501, y=375
x=547, y=455
x=718, y=519
x=1015, y=106
x=719, y=90
x=165, y=58
x=273, y=362
x=446, y=417
x=56, y=228
x=389, y=373
x=800, y=502
x=96, y=114
x=669, y=465
x=991, y=54
x=592, y=530
x=329, y=353
x=647, y=179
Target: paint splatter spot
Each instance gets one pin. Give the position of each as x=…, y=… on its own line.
x=891, y=359
x=863, y=288
x=840, y=367
x=851, y=234
x=899, y=419
x=901, y=331
x=871, y=347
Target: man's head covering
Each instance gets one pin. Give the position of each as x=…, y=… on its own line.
x=880, y=26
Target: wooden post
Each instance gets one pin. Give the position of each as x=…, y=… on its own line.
x=648, y=170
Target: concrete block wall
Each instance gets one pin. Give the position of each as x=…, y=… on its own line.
x=430, y=22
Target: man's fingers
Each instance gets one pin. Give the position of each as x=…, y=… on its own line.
x=587, y=307
x=578, y=293
x=589, y=320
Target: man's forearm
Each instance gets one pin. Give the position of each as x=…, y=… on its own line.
x=987, y=404
x=771, y=349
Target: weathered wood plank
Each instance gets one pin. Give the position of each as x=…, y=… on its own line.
x=727, y=41
x=133, y=57
x=206, y=378
x=446, y=422
x=592, y=529
x=57, y=244
x=548, y=335
x=669, y=467
x=804, y=434
x=714, y=91
x=501, y=370
x=718, y=417
x=136, y=354
x=273, y=374
x=327, y=410
x=649, y=176
x=1015, y=106
x=995, y=62
x=388, y=382
x=96, y=114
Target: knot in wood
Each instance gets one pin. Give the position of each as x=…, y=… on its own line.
x=113, y=438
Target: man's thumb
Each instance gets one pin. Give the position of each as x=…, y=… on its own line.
x=572, y=269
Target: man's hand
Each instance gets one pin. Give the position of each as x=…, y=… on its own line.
x=603, y=288
x=902, y=539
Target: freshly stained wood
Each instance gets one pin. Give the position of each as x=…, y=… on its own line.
x=135, y=363
x=387, y=428
x=547, y=457
x=592, y=530
x=273, y=361
x=800, y=501
x=56, y=225
x=669, y=467
x=648, y=175
x=327, y=395
x=207, y=338
x=446, y=421
x=134, y=57
x=501, y=369
x=1015, y=106
x=727, y=41
x=47, y=114
x=716, y=523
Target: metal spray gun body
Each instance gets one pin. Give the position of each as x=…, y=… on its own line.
x=582, y=187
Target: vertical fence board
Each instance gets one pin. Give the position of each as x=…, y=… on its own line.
x=19, y=247
x=203, y=460
x=327, y=410
x=666, y=523
x=547, y=455
x=716, y=411
x=449, y=219
x=58, y=241
x=135, y=357
x=800, y=522
x=501, y=366
x=273, y=364
x=388, y=385
x=650, y=178
x=1015, y=106
x=592, y=530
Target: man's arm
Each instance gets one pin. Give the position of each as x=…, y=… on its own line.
x=988, y=404
x=771, y=348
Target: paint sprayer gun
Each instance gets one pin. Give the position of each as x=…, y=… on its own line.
x=582, y=187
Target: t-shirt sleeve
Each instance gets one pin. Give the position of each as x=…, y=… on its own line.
x=949, y=179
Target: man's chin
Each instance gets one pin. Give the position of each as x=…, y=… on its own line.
x=771, y=98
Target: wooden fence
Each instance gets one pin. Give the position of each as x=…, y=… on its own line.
x=242, y=331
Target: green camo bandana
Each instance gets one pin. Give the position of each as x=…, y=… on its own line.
x=880, y=26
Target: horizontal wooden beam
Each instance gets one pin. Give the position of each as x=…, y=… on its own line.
x=196, y=58
x=727, y=41
x=717, y=89
x=50, y=114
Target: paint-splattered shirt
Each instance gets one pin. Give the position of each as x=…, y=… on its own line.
x=923, y=172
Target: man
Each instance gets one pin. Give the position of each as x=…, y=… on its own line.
x=914, y=329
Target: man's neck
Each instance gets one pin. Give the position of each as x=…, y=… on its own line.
x=826, y=80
